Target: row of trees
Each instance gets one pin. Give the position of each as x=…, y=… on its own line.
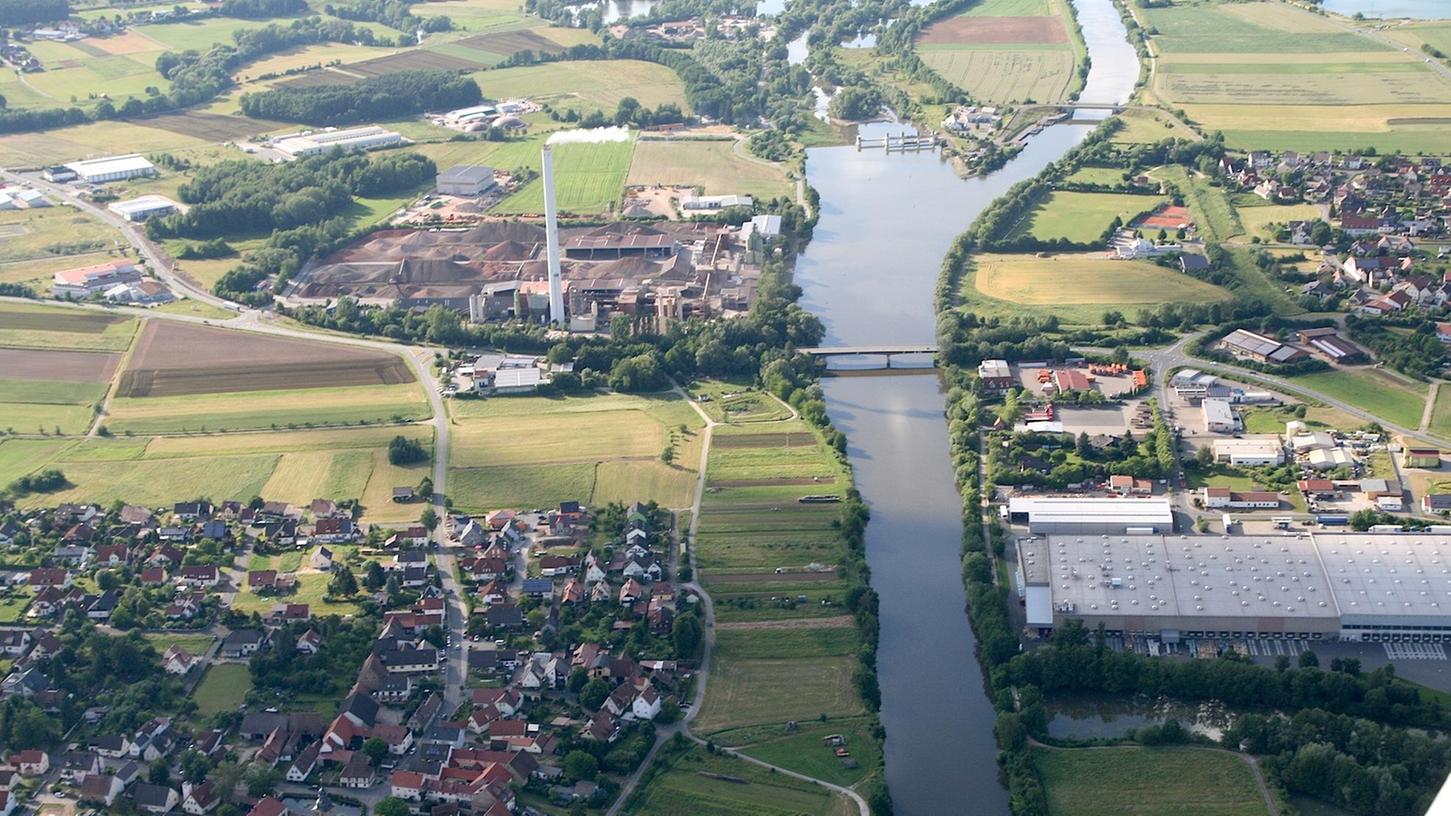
x=22, y=12
x=380, y=97
x=263, y=9
x=391, y=13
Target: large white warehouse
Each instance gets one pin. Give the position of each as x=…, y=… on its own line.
x=311, y=143
x=1350, y=586
x=1071, y=514
x=113, y=168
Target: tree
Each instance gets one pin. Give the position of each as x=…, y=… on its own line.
x=343, y=584
x=376, y=750
x=195, y=766
x=686, y=633
x=405, y=451
x=428, y=518
x=1309, y=660
x=1084, y=447
x=159, y=773
x=581, y=765
x=594, y=693
x=392, y=806
x=668, y=455
x=577, y=679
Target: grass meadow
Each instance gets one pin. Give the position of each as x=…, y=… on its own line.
x=586, y=86
x=1133, y=781
x=1082, y=217
x=710, y=164
x=224, y=688
x=261, y=410
x=1372, y=390
x=1077, y=288
x=698, y=783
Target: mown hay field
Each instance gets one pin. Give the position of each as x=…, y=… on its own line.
x=711, y=164
x=1082, y=217
x=1078, y=288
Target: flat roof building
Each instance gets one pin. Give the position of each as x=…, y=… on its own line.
x=114, y=168
x=1350, y=586
x=84, y=281
x=466, y=180
x=996, y=375
x=1071, y=514
x=1250, y=451
x=144, y=207
x=1219, y=417
x=311, y=143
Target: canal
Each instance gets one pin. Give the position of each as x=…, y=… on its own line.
x=869, y=273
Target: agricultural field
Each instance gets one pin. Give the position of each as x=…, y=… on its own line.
x=1149, y=127
x=802, y=749
x=1441, y=414
x=1133, y=781
x=53, y=390
x=1077, y=288
x=712, y=165
x=1372, y=390
x=35, y=244
x=1215, y=218
x=538, y=451
x=1276, y=77
x=25, y=325
x=586, y=86
x=1003, y=51
x=698, y=783
x=1082, y=217
x=737, y=402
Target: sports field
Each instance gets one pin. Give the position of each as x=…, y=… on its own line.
x=699, y=783
x=1082, y=217
x=1077, y=288
x=713, y=165
x=1005, y=50
x=1214, y=216
x=1133, y=781
x=1276, y=77
x=538, y=451
x=1373, y=390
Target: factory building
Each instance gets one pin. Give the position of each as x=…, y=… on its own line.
x=114, y=168
x=1219, y=417
x=466, y=180
x=143, y=207
x=313, y=142
x=1250, y=451
x=1092, y=516
x=1347, y=586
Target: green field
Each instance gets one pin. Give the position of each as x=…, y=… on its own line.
x=590, y=178
x=23, y=325
x=1272, y=420
x=1440, y=415
x=1262, y=221
x=1082, y=217
x=1372, y=390
x=195, y=643
x=1214, y=216
x=257, y=410
x=710, y=164
x=1134, y=781
x=311, y=589
x=537, y=451
x=1040, y=66
x=224, y=688
x=1144, y=127
x=802, y=749
x=1250, y=28
x=586, y=86
x=1077, y=288
x=698, y=783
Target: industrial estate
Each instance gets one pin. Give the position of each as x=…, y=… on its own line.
x=657, y=407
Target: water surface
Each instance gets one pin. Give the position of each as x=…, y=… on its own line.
x=1419, y=9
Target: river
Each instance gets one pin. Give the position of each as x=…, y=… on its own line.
x=869, y=274
x=1390, y=9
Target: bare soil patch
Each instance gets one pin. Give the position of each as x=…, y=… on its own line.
x=764, y=440
x=66, y=366
x=987, y=30
x=173, y=358
x=47, y=321
x=210, y=127
x=127, y=43
x=314, y=79
x=412, y=61
x=841, y=622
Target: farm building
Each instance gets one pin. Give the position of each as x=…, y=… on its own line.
x=996, y=375
x=310, y=143
x=1249, y=345
x=85, y=281
x=1330, y=345
x=21, y=198
x=1328, y=459
x=466, y=180
x=714, y=202
x=1423, y=458
x=1250, y=451
x=144, y=207
x=1063, y=514
x=114, y=168
x=1351, y=586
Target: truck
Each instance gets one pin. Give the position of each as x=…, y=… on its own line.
x=1332, y=519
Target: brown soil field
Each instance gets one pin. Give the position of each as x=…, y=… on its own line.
x=209, y=127
x=46, y=321
x=313, y=79
x=412, y=61
x=66, y=366
x=975, y=30
x=769, y=577
x=509, y=43
x=764, y=440
x=128, y=43
x=840, y=622
x=175, y=358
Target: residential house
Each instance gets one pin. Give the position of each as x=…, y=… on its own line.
x=243, y=643
x=100, y=788
x=154, y=798
x=177, y=660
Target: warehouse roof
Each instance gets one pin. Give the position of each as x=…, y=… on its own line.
x=1393, y=574
x=1081, y=510
x=112, y=164
x=467, y=173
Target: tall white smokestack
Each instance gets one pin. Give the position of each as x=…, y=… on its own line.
x=551, y=236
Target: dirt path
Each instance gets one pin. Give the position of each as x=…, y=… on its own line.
x=1430, y=409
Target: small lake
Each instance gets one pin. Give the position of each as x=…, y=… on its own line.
x=1418, y=9
x=1094, y=718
